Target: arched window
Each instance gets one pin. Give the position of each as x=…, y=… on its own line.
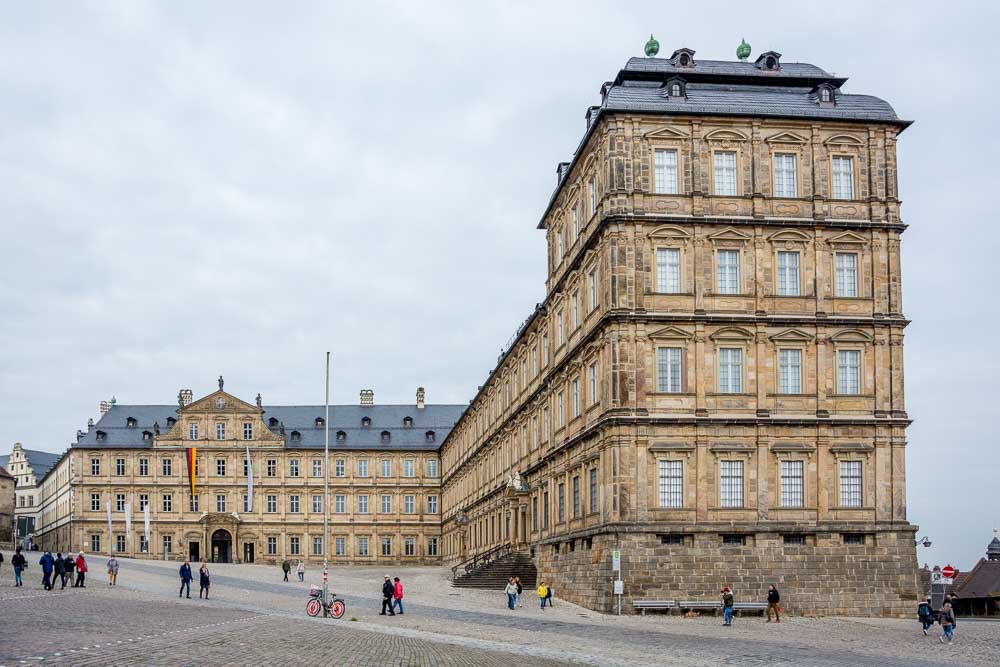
x=320, y=422
x=130, y=422
x=273, y=422
x=341, y=436
x=366, y=422
x=429, y=436
x=170, y=422
x=407, y=422
x=824, y=94
x=146, y=435
x=385, y=436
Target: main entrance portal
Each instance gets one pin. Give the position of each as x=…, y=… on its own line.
x=222, y=546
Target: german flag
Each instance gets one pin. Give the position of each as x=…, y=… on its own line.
x=192, y=467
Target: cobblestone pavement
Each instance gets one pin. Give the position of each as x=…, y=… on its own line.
x=255, y=618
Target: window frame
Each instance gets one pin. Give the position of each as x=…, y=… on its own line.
x=791, y=495
x=716, y=154
x=667, y=280
x=668, y=188
x=670, y=479
x=723, y=277
x=729, y=501
x=836, y=177
x=777, y=158
x=730, y=386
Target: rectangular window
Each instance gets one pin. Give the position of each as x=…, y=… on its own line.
x=363, y=468
x=220, y=467
x=272, y=546
x=293, y=546
x=317, y=468
x=193, y=503
x=794, y=540
x=272, y=504
x=220, y=503
x=846, y=281
x=95, y=466
x=848, y=372
x=409, y=546
x=386, y=467
x=593, y=383
x=672, y=540
x=143, y=501
x=432, y=468
x=731, y=483
x=168, y=544
x=193, y=431
x=339, y=467
x=562, y=409
x=672, y=484
x=559, y=245
x=247, y=431
x=272, y=467
x=363, y=504
x=166, y=467
x=432, y=504
x=168, y=502
x=95, y=502
x=725, y=173
x=317, y=504
x=220, y=431
x=792, y=484
x=143, y=467
x=95, y=543
x=788, y=273
x=854, y=539
x=668, y=270
x=340, y=546
x=574, y=392
x=119, y=502
x=727, y=271
x=143, y=545
x=119, y=467
x=668, y=369
x=545, y=349
x=592, y=195
x=432, y=546
x=850, y=483
x=386, y=504
x=561, y=496
x=246, y=503
x=408, y=468
x=120, y=543
x=340, y=504
x=246, y=467
x=409, y=503
x=545, y=510
x=386, y=543
x=790, y=371
x=665, y=167
x=576, y=496
x=843, y=177
x=592, y=283
x=576, y=222
x=593, y=490
x=784, y=175
x=730, y=370
x=560, y=333
x=545, y=424
x=293, y=504
x=317, y=546
x=734, y=540
x=293, y=468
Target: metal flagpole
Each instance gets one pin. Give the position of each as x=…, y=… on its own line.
x=326, y=491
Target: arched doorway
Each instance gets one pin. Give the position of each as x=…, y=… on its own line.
x=222, y=546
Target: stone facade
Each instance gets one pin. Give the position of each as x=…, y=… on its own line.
x=714, y=382
x=27, y=466
x=6, y=507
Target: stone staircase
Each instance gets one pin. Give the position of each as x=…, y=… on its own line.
x=493, y=575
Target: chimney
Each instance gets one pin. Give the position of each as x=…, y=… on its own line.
x=90, y=423
x=367, y=397
x=105, y=407
x=185, y=397
x=420, y=398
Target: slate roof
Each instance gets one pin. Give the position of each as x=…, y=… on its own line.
x=301, y=419
x=4, y=473
x=981, y=581
x=40, y=462
x=724, y=67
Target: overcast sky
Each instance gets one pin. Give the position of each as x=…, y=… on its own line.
x=190, y=191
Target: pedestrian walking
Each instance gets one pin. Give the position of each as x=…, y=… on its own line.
x=773, y=598
x=286, y=567
x=112, y=571
x=949, y=599
x=70, y=564
x=301, y=570
x=511, y=590
x=397, y=594
x=926, y=615
x=59, y=570
x=19, y=564
x=81, y=571
x=388, y=589
x=204, y=579
x=48, y=564
x=543, y=593
x=549, y=596
x=520, y=589
x=185, y=574
x=947, y=621
x=727, y=605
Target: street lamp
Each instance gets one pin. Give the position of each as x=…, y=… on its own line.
x=925, y=541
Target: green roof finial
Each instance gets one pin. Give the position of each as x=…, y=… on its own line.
x=652, y=47
x=743, y=50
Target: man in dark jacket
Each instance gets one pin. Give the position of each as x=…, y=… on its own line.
x=47, y=563
x=387, y=590
x=185, y=574
x=59, y=565
x=773, y=598
x=70, y=564
x=19, y=564
x=286, y=567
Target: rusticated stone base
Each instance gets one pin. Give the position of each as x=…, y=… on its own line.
x=822, y=577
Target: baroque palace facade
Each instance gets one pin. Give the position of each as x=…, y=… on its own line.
x=384, y=482
x=713, y=384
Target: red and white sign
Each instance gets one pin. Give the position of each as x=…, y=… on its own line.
x=948, y=572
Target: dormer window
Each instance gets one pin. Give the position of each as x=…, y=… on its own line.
x=769, y=61
x=146, y=435
x=273, y=422
x=320, y=422
x=296, y=436
x=429, y=436
x=676, y=89
x=170, y=422
x=102, y=436
x=407, y=422
x=682, y=58
x=220, y=402
x=385, y=436
x=130, y=422
x=827, y=95
x=366, y=422
x=341, y=436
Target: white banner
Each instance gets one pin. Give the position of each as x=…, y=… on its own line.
x=128, y=521
x=145, y=520
x=249, y=480
x=111, y=536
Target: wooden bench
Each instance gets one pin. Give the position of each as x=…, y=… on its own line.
x=643, y=605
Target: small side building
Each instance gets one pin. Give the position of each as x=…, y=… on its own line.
x=978, y=592
x=6, y=507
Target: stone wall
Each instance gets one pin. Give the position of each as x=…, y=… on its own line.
x=823, y=577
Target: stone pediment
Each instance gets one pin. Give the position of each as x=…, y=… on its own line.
x=729, y=234
x=671, y=332
x=218, y=401
x=789, y=235
x=665, y=133
x=786, y=138
x=792, y=336
x=726, y=135
x=844, y=139
x=669, y=232
x=847, y=238
x=852, y=336
x=732, y=333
